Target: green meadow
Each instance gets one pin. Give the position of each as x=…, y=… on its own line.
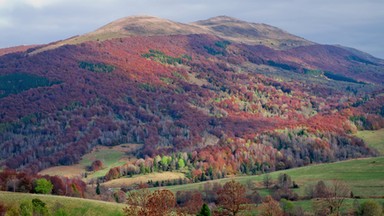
x=70, y=205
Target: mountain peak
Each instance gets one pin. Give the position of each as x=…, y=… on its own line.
x=144, y=25
x=220, y=19
x=226, y=27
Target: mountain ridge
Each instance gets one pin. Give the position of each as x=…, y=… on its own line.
x=225, y=27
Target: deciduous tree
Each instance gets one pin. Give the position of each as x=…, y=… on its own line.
x=43, y=186
x=144, y=203
x=270, y=207
x=160, y=203
x=96, y=165
x=370, y=208
x=333, y=198
x=137, y=201
x=232, y=197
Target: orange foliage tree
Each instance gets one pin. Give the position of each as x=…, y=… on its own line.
x=232, y=197
x=144, y=203
x=270, y=207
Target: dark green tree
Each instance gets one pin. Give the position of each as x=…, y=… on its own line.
x=98, y=188
x=205, y=211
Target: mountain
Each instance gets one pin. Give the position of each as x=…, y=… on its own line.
x=225, y=27
x=216, y=87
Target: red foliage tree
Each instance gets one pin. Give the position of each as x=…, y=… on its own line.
x=96, y=165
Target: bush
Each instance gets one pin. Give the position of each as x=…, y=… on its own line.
x=3, y=209
x=43, y=186
x=371, y=208
x=96, y=165
x=39, y=207
x=26, y=208
x=285, y=193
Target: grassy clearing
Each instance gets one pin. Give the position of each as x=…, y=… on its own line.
x=364, y=176
x=118, y=183
x=67, y=171
x=73, y=206
x=110, y=156
x=375, y=139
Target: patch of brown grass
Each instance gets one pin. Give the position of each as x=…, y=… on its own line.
x=117, y=183
x=66, y=171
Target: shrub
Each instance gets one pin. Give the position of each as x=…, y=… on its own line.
x=39, y=207
x=43, y=186
x=371, y=208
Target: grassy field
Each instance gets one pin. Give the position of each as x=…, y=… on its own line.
x=348, y=204
x=364, y=176
x=375, y=139
x=72, y=206
x=110, y=156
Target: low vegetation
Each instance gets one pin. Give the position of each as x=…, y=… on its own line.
x=159, y=56
x=96, y=67
x=59, y=205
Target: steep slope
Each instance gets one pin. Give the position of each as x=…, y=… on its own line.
x=5, y=51
x=186, y=93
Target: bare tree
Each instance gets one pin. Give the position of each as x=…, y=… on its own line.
x=332, y=197
x=267, y=181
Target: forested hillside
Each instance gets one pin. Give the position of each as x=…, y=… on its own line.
x=228, y=103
